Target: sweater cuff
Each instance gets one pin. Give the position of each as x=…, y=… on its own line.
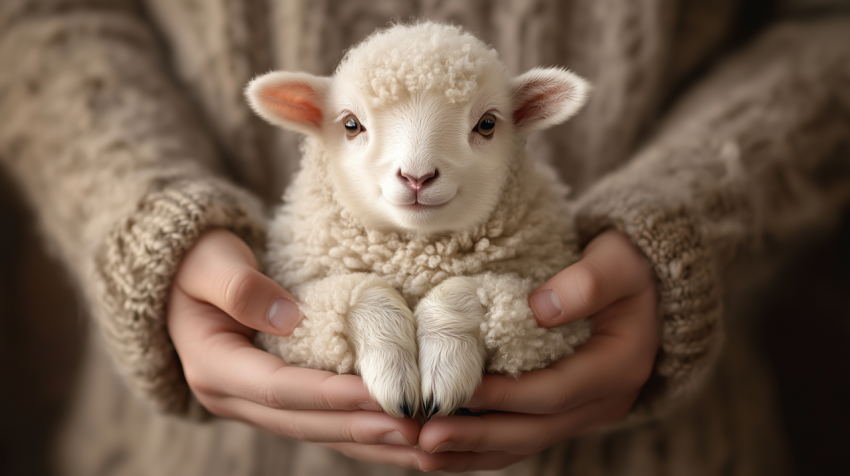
x=690, y=301
x=134, y=269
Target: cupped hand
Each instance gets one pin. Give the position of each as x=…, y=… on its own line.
x=218, y=300
x=614, y=286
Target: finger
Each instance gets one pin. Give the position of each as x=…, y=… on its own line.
x=221, y=270
x=417, y=459
x=219, y=360
x=518, y=433
x=611, y=268
x=368, y=428
x=617, y=359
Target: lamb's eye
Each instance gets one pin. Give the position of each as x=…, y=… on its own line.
x=352, y=125
x=486, y=125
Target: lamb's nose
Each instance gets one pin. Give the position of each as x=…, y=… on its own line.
x=418, y=183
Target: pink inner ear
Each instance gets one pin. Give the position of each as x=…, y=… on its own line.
x=539, y=98
x=292, y=102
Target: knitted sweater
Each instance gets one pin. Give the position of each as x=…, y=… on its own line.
x=127, y=154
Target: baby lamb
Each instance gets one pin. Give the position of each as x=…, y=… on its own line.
x=417, y=225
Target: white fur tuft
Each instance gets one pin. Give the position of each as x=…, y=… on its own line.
x=406, y=59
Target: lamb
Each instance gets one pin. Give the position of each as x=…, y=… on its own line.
x=417, y=225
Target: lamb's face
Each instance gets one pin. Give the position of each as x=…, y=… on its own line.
x=421, y=163
x=420, y=138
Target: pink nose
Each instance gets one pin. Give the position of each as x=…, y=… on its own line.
x=418, y=183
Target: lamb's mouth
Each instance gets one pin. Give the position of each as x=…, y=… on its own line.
x=423, y=207
x=416, y=204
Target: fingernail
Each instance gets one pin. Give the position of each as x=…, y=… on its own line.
x=444, y=446
x=546, y=304
x=394, y=438
x=283, y=315
x=368, y=406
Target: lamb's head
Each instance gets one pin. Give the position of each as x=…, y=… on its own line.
x=421, y=123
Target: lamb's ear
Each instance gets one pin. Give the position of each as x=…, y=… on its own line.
x=291, y=100
x=543, y=98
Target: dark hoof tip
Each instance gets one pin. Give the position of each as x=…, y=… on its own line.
x=407, y=409
x=431, y=408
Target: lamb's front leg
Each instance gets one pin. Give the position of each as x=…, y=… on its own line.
x=468, y=325
x=451, y=350
x=357, y=323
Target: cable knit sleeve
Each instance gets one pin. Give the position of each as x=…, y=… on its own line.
x=118, y=170
x=755, y=154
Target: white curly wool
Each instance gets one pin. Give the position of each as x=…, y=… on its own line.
x=404, y=59
x=528, y=236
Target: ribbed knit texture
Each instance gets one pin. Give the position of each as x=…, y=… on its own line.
x=136, y=266
x=737, y=166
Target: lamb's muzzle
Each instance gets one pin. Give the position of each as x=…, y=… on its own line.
x=418, y=183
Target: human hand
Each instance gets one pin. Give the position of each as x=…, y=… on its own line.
x=217, y=301
x=613, y=284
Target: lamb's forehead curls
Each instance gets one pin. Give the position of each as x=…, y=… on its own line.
x=402, y=59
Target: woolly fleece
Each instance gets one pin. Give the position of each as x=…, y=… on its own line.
x=404, y=59
x=527, y=239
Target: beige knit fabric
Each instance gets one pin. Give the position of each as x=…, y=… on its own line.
x=120, y=154
x=113, y=159
x=737, y=164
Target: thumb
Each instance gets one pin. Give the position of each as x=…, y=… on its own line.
x=610, y=269
x=221, y=270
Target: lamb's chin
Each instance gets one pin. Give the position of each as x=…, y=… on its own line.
x=422, y=208
x=430, y=219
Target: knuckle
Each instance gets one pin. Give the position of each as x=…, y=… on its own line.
x=197, y=380
x=324, y=399
x=481, y=440
x=268, y=395
x=588, y=282
x=286, y=426
x=350, y=431
x=562, y=400
x=499, y=397
x=210, y=404
x=215, y=405
x=235, y=290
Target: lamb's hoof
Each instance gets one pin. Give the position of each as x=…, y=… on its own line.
x=383, y=331
x=451, y=352
x=408, y=409
x=430, y=408
x=450, y=372
x=392, y=378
